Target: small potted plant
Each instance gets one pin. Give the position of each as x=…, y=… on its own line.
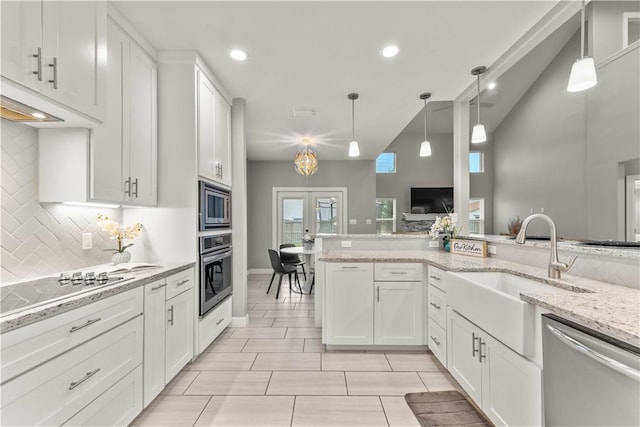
x=120, y=233
x=446, y=225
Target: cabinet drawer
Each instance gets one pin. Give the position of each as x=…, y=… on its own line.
x=398, y=272
x=437, y=305
x=179, y=283
x=213, y=324
x=117, y=406
x=53, y=392
x=34, y=344
x=438, y=341
x=436, y=278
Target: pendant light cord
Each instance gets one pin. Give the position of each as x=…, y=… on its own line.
x=353, y=120
x=478, y=100
x=582, y=30
x=425, y=119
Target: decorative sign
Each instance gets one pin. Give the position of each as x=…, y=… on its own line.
x=469, y=247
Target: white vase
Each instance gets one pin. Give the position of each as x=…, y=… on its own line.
x=120, y=257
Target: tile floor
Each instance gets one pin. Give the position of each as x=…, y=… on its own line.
x=276, y=372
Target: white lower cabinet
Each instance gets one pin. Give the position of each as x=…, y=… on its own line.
x=179, y=339
x=398, y=313
x=505, y=385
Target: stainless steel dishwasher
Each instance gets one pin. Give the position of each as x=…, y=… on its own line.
x=589, y=379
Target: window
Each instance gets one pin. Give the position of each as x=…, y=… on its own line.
x=386, y=163
x=476, y=216
x=630, y=28
x=385, y=216
x=476, y=162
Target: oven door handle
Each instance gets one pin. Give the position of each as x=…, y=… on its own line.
x=217, y=257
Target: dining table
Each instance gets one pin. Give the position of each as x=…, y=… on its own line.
x=308, y=253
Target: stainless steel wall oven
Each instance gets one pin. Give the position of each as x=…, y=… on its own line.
x=215, y=270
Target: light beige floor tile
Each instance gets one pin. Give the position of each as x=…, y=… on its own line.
x=294, y=322
x=260, y=322
x=226, y=333
x=256, y=313
x=312, y=314
x=383, y=383
x=227, y=345
x=313, y=345
x=307, y=383
x=287, y=313
x=229, y=383
x=247, y=411
x=313, y=411
x=354, y=362
x=180, y=382
x=259, y=332
x=211, y=361
x=304, y=333
x=437, y=381
x=413, y=362
x=305, y=306
x=287, y=362
x=398, y=412
x=172, y=411
x=265, y=345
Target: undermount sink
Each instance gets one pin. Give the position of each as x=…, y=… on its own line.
x=492, y=301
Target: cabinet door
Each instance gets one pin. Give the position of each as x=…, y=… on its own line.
x=223, y=140
x=462, y=354
x=349, y=304
x=21, y=39
x=109, y=164
x=154, y=339
x=179, y=338
x=75, y=39
x=206, y=128
x=142, y=127
x=398, y=313
x=511, y=386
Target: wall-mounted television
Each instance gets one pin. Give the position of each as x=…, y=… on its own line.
x=431, y=200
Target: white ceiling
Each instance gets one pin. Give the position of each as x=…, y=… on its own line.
x=312, y=54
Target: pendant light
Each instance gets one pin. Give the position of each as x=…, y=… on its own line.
x=354, y=150
x=425, y=147
x=306, y=160
x=583, y=71
x=479, y=134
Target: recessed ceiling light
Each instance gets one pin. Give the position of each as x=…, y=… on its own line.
x=38, y=115
x=491, y=86
x=389, y=51
x=238, y=55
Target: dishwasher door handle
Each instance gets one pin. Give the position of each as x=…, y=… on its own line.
x=610, y=363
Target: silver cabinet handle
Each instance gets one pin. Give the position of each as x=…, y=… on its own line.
x=182, y=282
x=474, y=350
x=86, y=377
x=435, y=305
x=349, y=267
x=619, y=367
x=89, y=322
x=378, y=296
x=38, y=72
x=127, y=183
x=171, y=313
x=54, y=65
x=480, y=355
x=220, y=321
x=221, y=171
x=135, y=192
x=155, y=288
x=434, y=277
x=398, y=272
x=435, y=340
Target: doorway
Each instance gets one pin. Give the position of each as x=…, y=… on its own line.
x=633, y=208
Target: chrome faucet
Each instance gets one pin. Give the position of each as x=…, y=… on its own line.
x=555, y=266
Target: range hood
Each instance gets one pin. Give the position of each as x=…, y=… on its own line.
x=19, y=112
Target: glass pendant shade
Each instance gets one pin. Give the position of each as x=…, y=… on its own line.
x=425, y=149
x=479, y=134
x=354, y=149
x=583, y=75
x=306, y=161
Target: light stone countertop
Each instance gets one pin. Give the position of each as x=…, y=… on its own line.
x=34, y=313
x=610, y=309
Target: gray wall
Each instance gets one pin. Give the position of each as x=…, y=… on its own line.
x=415, y=171
x=357, y=175
x=606, y=37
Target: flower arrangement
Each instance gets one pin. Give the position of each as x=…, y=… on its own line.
x=446, y=225
x=119, y=232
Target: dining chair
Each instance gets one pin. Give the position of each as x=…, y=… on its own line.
x=280, y=269
x=292, y=259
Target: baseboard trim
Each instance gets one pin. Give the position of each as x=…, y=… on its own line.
x=259, y=271
x=239, y=322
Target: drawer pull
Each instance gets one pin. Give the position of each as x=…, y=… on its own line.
x=89, y=322
x=398, y=272
x=435, y=340
x=349, y=267
x=435, y=305
x=155, y=288
x=220, y=321
x=434, y=277
x=86, y=377
x=182, y=282
x=171, y=312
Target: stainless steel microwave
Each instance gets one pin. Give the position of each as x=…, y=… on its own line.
x=215, y=207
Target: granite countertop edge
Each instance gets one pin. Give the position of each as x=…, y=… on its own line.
x=29, y=315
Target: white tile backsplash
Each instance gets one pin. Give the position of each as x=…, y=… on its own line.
x=37, y=239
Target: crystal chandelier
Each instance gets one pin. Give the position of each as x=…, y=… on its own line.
x=306, y=161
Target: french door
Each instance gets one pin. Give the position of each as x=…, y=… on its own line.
x=315, y=211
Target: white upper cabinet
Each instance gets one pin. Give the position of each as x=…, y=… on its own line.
x=57, y=49
x=214, y=133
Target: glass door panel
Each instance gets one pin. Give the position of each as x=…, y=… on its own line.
x=328, y=212
x=292, y=217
